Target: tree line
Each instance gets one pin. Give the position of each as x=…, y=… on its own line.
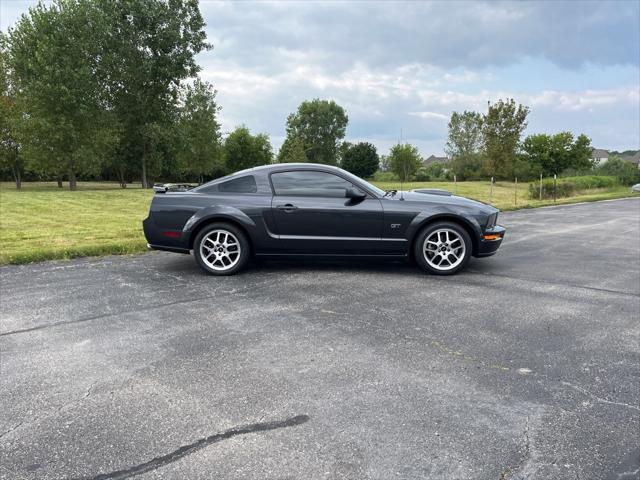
x=491, y=145
x=110, y=90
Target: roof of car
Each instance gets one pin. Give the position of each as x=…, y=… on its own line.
x=268, y=168
x=286, y=166
x=277, y=166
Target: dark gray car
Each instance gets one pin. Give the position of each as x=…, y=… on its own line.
x=309, y=209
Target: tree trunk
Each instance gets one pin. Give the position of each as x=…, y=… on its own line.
x=72, y=181
x=17, y=177
x=144, y=172
x=59, y=182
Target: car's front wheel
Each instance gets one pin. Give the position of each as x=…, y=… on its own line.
x=221, y=249
x=443, y=248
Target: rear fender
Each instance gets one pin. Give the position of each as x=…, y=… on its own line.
x=218, y=212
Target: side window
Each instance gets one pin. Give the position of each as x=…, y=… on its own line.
x=246, y=184
x=306, y=183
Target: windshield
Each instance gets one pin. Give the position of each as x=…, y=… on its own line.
x=370, y=186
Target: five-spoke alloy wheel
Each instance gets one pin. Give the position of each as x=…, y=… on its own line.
x=442, y=248
x=221, y=249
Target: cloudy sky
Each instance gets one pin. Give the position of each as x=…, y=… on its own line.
x=401, y=68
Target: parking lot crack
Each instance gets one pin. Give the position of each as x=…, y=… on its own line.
x=141, y=308
x=7, y=432
x=185, y=450
x=89, y=389
x=599, y=399
x=559, y=284
x=508, y=472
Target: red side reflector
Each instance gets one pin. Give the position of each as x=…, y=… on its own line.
x=172, y=234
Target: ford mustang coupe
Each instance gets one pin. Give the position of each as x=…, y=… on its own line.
x=308, y=209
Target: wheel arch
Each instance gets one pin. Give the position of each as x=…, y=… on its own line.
x=448, y=217
x=219, y=219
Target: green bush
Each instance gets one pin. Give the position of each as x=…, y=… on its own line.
x=422, y=175
x=626, y=172
x=567, y=187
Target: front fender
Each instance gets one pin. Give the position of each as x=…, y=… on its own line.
x=217, y=212
x=424, y=218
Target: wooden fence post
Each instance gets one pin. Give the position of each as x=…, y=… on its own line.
x=540, y=186
x=491, y=192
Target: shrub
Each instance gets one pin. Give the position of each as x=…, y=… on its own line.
x=470, y=167
x=436, y=171
x=567, y=187
x=626, y=172
x=422, y=175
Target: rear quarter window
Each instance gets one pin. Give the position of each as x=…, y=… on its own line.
x=244, y=184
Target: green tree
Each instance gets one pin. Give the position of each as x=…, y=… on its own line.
x=320, y=125
x=149, y=49
x=553, y=154
x=404, y=161
x=384, y=163
x=581, y=153
x=502, y=127
x=198, y=131
x=361, y=159
x=292, y=151
x=537, y=150
x=470, y=167
x=10, y=158
x=435, y=171
x=465, y=145
x=465, y=135
x=54, y=54
x=342, y=150
x=243, y=150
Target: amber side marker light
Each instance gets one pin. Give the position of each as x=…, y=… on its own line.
x=492, y=237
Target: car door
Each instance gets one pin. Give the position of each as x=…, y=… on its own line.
x=312, y=214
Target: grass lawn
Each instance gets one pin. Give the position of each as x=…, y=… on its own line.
x=505, y=197
x=42, y=222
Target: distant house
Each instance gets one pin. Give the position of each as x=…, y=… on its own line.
x=434, y=159
x=599, y=156
x=635, y=160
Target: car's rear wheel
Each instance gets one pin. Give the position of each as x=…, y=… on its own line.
x=221, y=249
x=443, y=248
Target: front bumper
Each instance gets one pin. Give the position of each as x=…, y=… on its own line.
x=490, y=241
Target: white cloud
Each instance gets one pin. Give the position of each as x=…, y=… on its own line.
x=407, y=65
x=585, y=100
x=430, y=115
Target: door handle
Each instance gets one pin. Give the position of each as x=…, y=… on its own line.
x=287, y=208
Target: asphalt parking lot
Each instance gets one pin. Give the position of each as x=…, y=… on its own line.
x=525, y=366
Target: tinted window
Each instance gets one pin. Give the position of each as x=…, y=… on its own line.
x=309, y=184
x=245, y=184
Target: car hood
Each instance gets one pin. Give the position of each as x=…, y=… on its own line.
x=454, y=200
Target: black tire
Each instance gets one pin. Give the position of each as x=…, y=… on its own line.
x=443, y=250
x=216, y=262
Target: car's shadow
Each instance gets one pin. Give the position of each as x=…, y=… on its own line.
x=185, y=265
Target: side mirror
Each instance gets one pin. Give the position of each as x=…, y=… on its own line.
x=355, y=193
